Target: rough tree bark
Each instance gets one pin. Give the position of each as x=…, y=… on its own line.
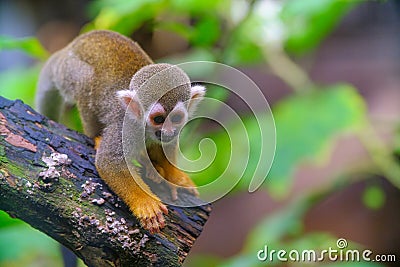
x=48, y=179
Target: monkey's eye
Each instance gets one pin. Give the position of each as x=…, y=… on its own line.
x=176, y=118
x=159, y=119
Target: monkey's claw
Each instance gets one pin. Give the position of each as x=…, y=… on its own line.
x=150, y=214
x=154, y=224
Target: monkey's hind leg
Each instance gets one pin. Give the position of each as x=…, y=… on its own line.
x=49, y=101
x=172, y=174
x=92, y=127
x=178, y=178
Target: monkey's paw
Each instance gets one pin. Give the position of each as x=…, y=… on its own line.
x=150, y=211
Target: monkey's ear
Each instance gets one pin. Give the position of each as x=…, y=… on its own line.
x=129, y=100
x=197, y=93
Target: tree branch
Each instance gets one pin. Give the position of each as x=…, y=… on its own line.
x=48, y=179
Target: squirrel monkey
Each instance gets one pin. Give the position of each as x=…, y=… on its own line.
x=107, y=76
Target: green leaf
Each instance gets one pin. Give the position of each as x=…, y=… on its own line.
x=120, y=7
x=72, y=120
x=306, y=127
x=197, y=72
x=21, y=245
x=123, y=16
x=238, y=151
x=136, y=163
x=283, y=230
x=397, y=143
x=16, y=239
x=29, y=45
x=313, y=240
x=374, y=197
x=19, y=83
x=200, y=260
x=179, y=28
x=308, y=22
x=242, y=51
x=6, y=220
x=276, y=226
x=222, y=146
x=195, y=6
x=248, y=260
x=206, y=31
x=243, y=46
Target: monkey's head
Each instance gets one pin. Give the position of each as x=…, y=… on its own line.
x=161, y=97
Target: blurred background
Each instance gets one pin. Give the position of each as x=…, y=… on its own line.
x=330, y=70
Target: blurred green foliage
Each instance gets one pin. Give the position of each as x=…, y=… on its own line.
x=29, y=246
x=29, y=45
x=309, y=21
x=374, y=197
x=335, y=110
x=19, y=83
x=236, y=33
